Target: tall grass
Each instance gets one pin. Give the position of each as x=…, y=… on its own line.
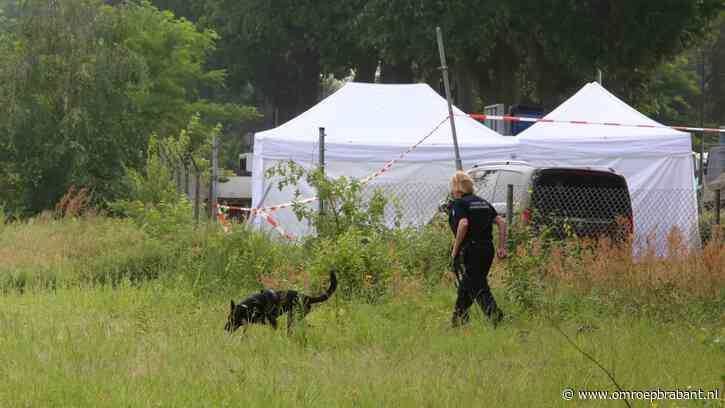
x=135, y=319
x=154, y=346
x=47, y=252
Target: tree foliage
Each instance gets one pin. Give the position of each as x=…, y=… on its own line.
x=282, y=47
x=82, y=87
x=509, y=51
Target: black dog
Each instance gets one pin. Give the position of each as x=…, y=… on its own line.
x=264, y=307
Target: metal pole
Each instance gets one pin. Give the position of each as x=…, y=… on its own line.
x=447, y=85
x=599, y=77
x=322, y=164
x=209, y=193
x=718, y=192
x=197, y=197
x=214, y=178
x=717, y=207
x=702, y=124
x=261, y=202
x=186, y=180
x=509, y=212
x=178, y=179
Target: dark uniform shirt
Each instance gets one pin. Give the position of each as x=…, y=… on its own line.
x=480, y=214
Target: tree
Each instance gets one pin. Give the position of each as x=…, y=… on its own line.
x=523, y=51
x=627, y=40
x=282, y=48
x=83, y=86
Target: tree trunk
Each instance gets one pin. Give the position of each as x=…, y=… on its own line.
x=465, y=86
x=546, y=85
x=396, y=73
x=715, y=92
x=302, y=91
x=485, y=91
x=366, y=66
x=506, y=87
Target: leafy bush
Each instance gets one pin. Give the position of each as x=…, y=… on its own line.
x=363, y=262
x=523, y=283
x=153, y=201
x=424, y=252
x=708, y=227
x=88, y=250
x=239, y=259
x=344, y=207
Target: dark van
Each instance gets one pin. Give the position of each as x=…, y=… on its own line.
x=582, y=201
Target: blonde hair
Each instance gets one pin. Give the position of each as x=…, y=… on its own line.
x=461, y=182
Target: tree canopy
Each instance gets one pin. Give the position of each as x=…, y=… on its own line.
x=84, y=85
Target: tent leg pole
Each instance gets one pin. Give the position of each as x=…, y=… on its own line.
x=322, y=165
x=509, y=215
x=447, y=85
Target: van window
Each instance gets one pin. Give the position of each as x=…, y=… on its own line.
x=593, y=199
x=484, y=183
x=505, y=178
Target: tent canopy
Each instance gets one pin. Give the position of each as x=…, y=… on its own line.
x=657, y=162
x=596, y=104
x=373, y=122
x=366, y=125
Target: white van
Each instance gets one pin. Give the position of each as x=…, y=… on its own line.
x=587, y=201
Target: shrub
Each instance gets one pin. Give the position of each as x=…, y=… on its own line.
x=344, y=207
x=424, y=253
x=88, y=250
x=707, y=225
x=364, y=263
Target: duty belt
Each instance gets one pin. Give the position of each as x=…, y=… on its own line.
x=478, y=242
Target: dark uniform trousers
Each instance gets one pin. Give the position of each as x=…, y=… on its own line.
x=477, y=260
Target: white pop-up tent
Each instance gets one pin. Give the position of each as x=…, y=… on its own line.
x=657, y=162
x=366, y=125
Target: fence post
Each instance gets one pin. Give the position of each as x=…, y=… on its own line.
x=212, y=201
x=177, y=173
x=717, y=206
x=186, y=180
x=197, y=186
x=509, y=213
x=209, y=209
x=322, y=165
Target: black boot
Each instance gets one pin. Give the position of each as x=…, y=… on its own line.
x=496, y=317
x=460, y=318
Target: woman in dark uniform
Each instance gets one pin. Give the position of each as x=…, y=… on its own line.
x=471, y=219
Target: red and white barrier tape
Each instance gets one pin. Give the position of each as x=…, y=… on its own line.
x=266, y=211
x=402, y=156
x=269, y=209
x=586, y=122
x=366, y=180
x=271, y=221
x=222, y=217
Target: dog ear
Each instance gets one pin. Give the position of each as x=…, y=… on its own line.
x=232, y=306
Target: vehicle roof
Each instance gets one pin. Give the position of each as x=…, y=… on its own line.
x=525, y=167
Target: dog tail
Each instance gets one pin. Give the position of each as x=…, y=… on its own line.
x=323, y=297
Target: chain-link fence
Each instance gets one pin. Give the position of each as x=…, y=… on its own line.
x=409, y=204
x=657, y=219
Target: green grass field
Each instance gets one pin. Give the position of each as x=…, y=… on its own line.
x=155, y=346
x=160, y=343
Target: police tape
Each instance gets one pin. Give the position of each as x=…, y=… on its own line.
x=402, y=156
x=221, y=216
x=380, y=172
x=276, y=225
x=506, y=118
